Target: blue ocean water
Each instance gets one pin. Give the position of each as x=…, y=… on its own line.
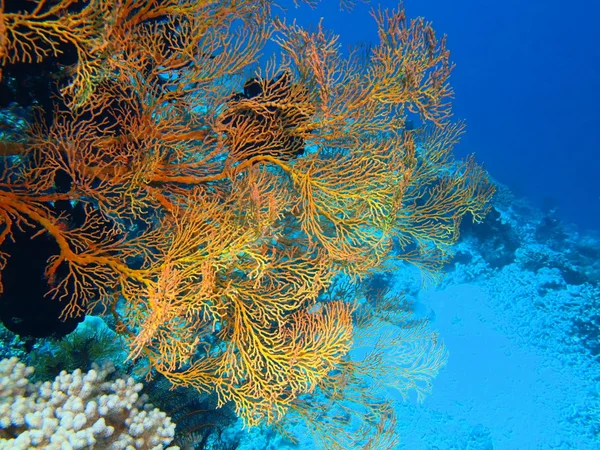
x=527, y=82
x=519, y=316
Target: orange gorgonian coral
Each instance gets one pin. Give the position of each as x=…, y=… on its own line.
x=222, y=203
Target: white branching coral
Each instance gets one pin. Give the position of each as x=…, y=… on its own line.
x=77, y=411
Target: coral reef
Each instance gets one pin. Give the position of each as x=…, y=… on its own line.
x=91, y=343
x=77, y=410
x=212, y=208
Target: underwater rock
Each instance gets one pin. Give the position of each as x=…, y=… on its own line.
x=25, y=306
x=25, y=309
x=496, y=240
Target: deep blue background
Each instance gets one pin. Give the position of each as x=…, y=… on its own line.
x=527, y=82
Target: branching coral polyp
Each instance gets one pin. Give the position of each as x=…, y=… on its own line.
x=222, y=208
